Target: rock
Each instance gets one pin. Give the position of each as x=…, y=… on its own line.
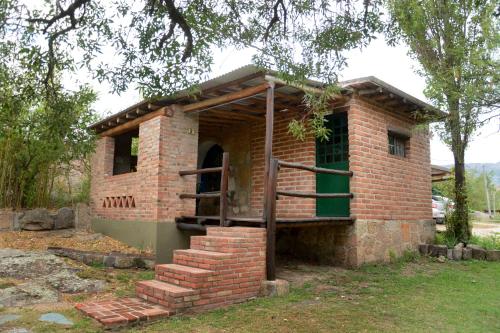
x=449, y=254
x=18, y=330
x=57, y=318
x=68, y=282
x=149, y=263
x=83, y=217
x=8, y=317
x=457, y=253
x=277, y=287
x=423, y=249
x=92, y=259
x=36, y=219
x=459, y=246
x=108, y=261
x=64, y=219
x=467, y=253
x=46, y=275
x=441, y=259
x=438, y=250
x=124, y=262
x=477, y=252
x=493, y=255
x=26, y=264
x=26, y=294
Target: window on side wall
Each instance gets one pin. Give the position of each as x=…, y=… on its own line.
x=126, y=152
x=397, y=143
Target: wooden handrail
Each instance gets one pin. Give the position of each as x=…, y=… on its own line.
x=199, y=171
x=314, y=195
x=314, y=169
x=224, y=183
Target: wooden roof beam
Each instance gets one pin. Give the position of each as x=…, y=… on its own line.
x=225, y=99
x=234, y=115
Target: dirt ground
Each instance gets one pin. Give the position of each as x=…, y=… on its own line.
x=478, y=228
x=41, y=240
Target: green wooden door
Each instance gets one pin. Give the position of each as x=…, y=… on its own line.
x=333, y=154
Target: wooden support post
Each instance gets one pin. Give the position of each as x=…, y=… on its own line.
x=271, y=221
x=268, y=143
x=224, y=180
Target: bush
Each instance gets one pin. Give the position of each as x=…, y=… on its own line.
x=491, y=242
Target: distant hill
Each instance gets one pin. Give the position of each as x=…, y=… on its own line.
x=478, y=168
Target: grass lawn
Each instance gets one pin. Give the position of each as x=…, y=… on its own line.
x=416, y=296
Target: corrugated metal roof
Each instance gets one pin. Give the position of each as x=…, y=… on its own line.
x=251, y=69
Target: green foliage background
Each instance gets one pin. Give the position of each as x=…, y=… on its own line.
x=42, y=136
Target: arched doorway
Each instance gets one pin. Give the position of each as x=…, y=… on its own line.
x=210, y=182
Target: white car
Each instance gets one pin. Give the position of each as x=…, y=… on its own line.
x=438, y=209
x=441, y=206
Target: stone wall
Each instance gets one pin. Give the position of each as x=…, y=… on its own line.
x=6, y=218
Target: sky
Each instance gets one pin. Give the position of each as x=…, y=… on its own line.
x=390, y=64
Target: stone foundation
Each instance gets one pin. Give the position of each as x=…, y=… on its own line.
x=363, y=242
x=378, y=240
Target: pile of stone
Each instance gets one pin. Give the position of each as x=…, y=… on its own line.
x=41, y=219
x=112, y=259
x=459, y=252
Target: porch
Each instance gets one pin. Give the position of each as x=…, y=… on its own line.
x=245, y=115
x=252, y=172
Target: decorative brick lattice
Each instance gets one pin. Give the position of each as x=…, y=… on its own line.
x=125, y=201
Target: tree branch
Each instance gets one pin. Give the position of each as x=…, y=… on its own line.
x=276, y=18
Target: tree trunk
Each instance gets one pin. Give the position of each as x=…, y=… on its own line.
x=459, y=224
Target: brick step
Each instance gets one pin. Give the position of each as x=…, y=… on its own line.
x=239, y=232
x=173, y=297
x=226, y=244
x=121, y=312
x=184, y=276
x=204, y=259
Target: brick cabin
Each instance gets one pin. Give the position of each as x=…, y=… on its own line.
x=136, y=185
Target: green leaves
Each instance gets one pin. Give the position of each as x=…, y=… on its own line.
x=456, y=43
x=41, y=136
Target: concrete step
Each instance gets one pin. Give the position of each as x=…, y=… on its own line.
x=173, y=297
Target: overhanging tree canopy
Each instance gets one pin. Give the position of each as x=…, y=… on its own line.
x=163, y=46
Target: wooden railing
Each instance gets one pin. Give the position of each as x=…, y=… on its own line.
x=222, y=194
x=271, y=196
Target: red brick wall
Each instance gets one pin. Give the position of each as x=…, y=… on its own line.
x=287, y=148
x=387, y=187
x=384, y=186
x=166, y=145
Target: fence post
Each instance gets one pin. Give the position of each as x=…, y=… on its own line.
x=224, y=180
x=271, y=220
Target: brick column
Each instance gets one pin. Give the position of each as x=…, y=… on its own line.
x=178, y=151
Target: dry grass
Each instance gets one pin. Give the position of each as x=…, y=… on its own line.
x=41, y=240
